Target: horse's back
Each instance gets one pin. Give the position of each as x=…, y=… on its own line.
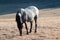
x=33, y=9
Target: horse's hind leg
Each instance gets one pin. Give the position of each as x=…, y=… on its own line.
x=26, y=28
x=30, y=27
x=35, y=18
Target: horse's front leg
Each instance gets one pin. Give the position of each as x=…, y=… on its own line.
x=20, y=26
x=26, y=28
x=30, y=27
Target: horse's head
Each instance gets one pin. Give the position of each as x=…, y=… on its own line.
x=24, y=15
x=19, y=16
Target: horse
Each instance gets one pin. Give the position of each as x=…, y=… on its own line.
x=24, y=15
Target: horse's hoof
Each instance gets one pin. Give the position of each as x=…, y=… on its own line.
x=20, y=34
x=29, y=32
x=35, y=31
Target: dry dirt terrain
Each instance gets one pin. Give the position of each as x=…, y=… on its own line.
x=48, y=26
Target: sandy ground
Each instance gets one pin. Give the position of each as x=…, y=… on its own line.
x=48, y=26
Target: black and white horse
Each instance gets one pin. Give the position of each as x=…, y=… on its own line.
x=27, y=15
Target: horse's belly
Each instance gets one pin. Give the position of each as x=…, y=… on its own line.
x=29, y=18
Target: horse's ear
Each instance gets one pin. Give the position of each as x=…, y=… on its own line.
x=18, y=11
